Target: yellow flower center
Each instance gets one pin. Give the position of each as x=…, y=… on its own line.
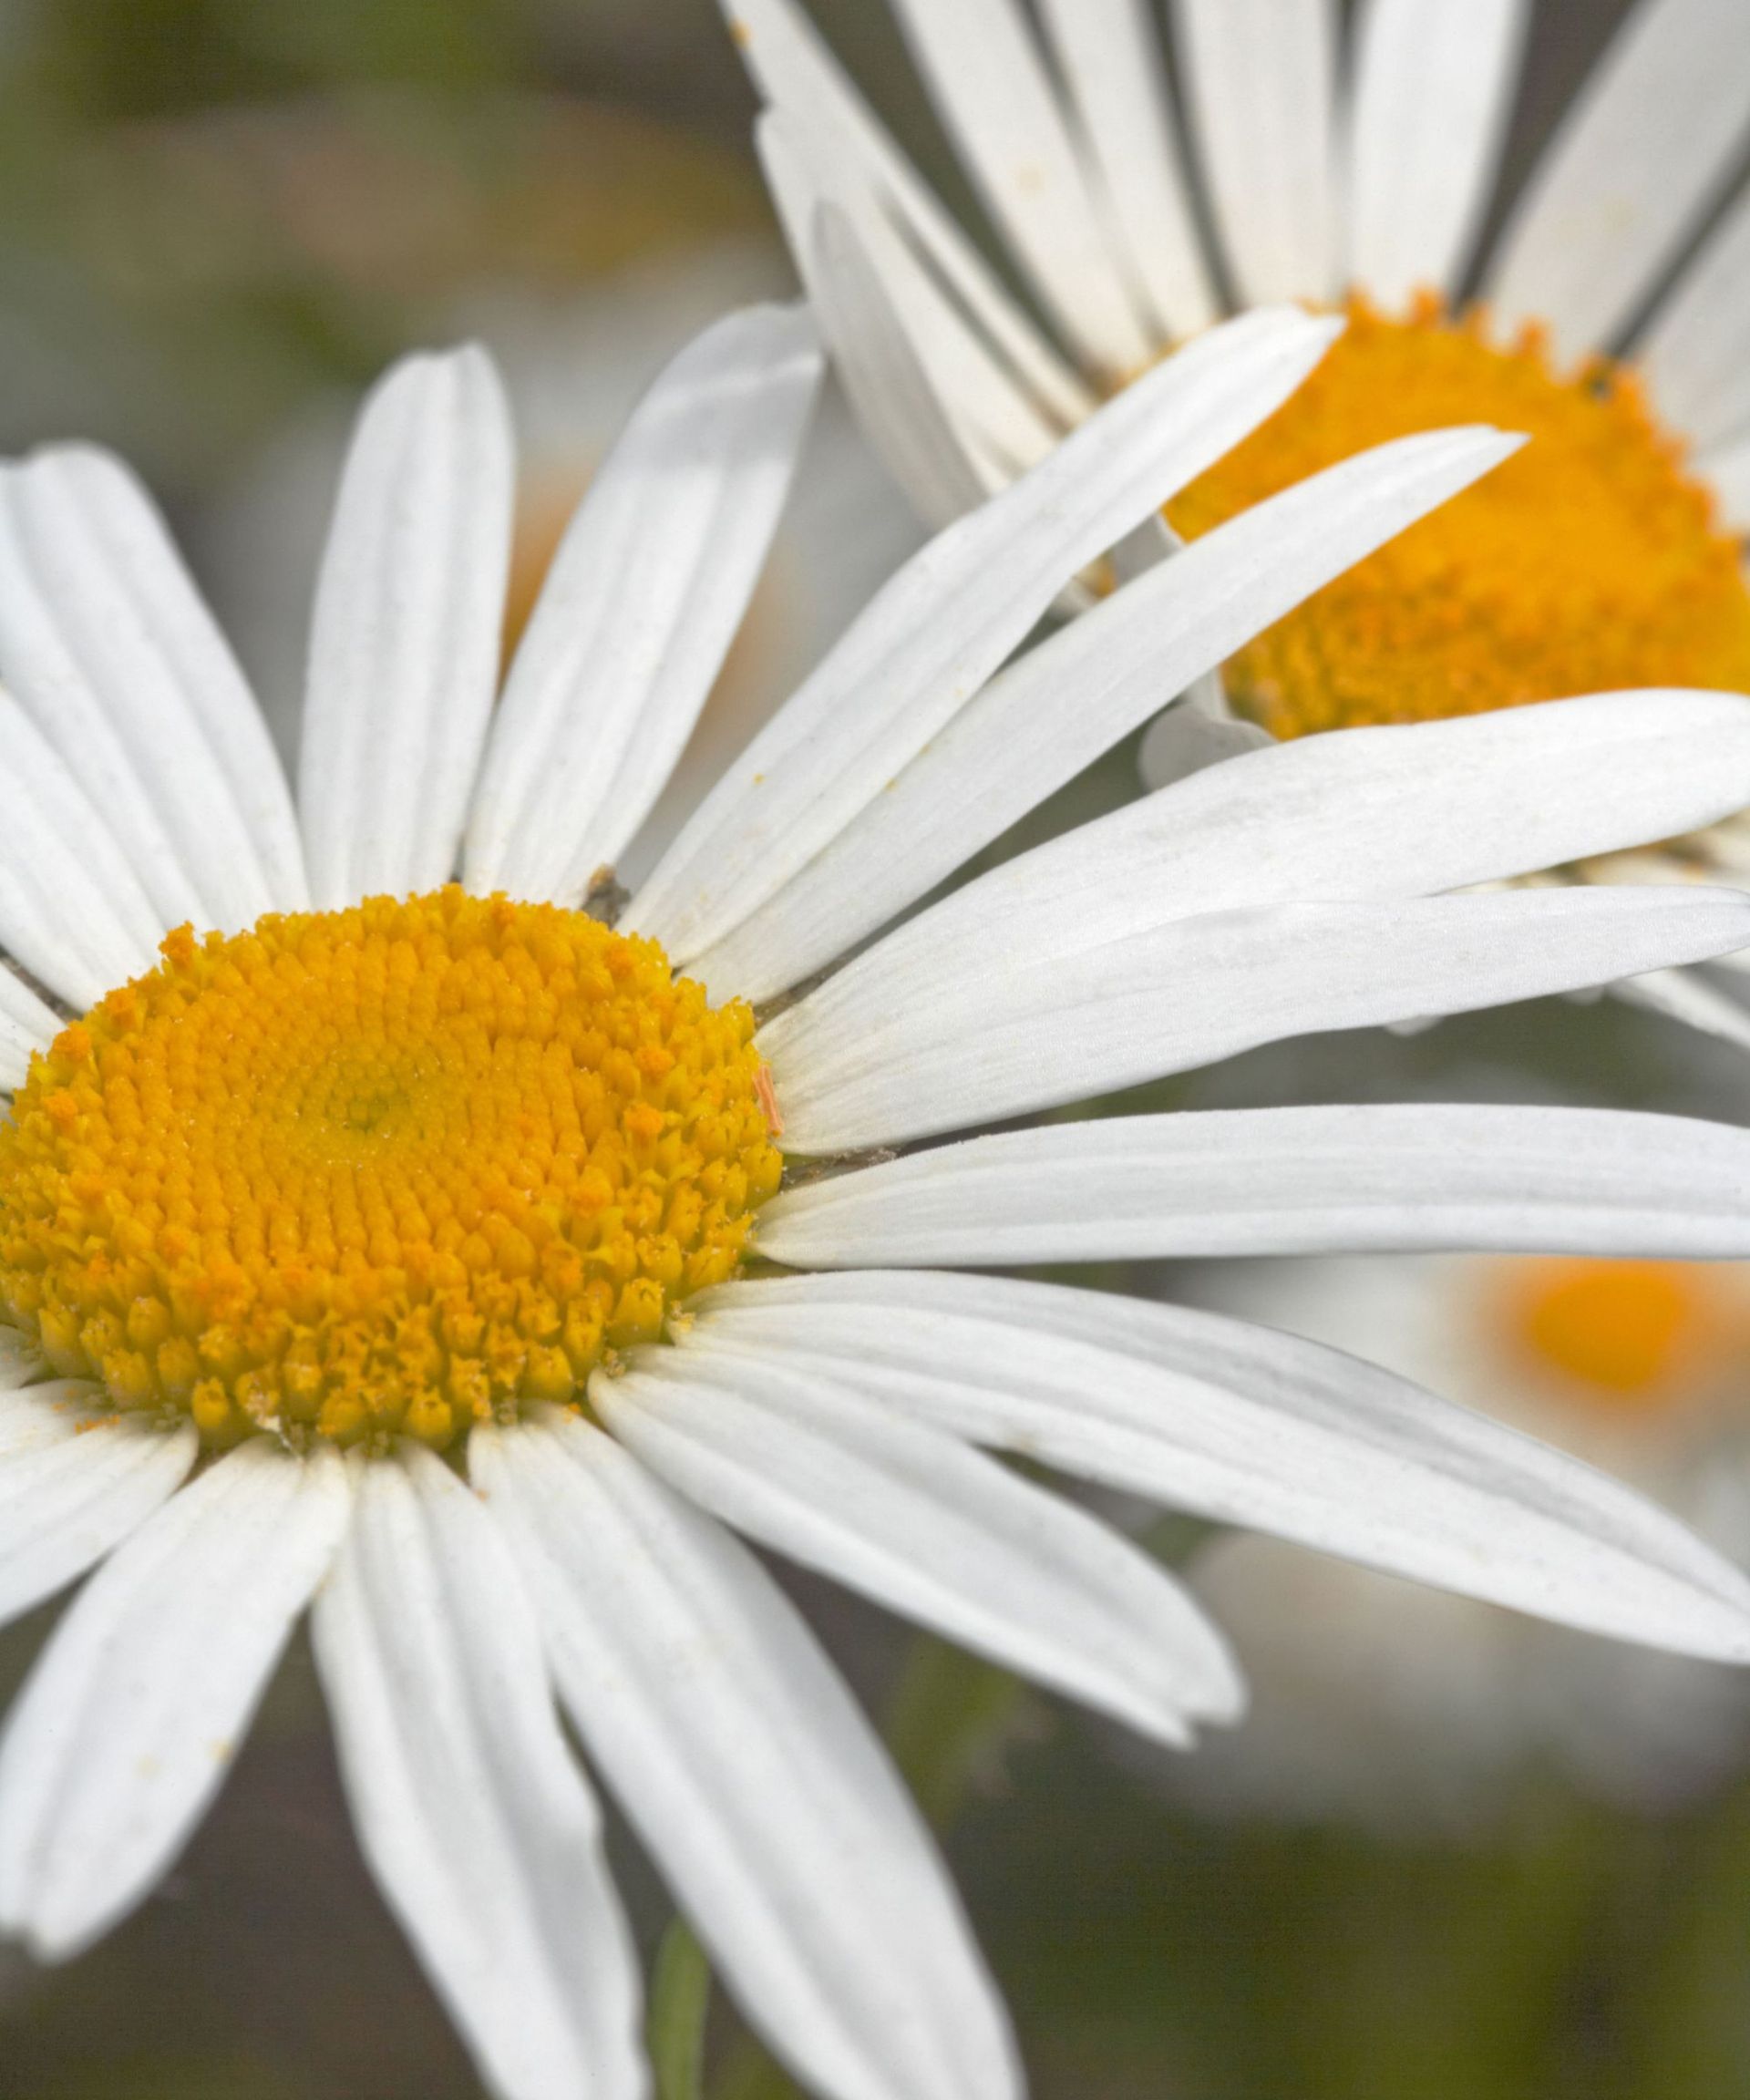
x=386, y=1170
x=1626, y=1337
x=1590, y=562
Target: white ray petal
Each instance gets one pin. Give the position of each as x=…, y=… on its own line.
x=1260, y=80
x=1695, y=356
x=70, y=907
x=1728, y=471
x=640, y=606
x=750, y=1773
x=983, y=68
x=76, y=1479
x=27, y=1024
x=1395, y=811
x=107, y=645
x=404, y=639
x=1058, y=707
x=1686, y=996
x=926, y=1526
x=474, y=1818
x=876, y=1062
x=1638, y=160
x=1258, y=1428
x=946, y=620
x=1110, y=55
x=798, y=75
x=1433, y=94
x=133, y=1713
x=1245, y=1182
x=21, y=1364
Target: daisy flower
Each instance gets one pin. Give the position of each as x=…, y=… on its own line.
x=404, y=1248
x=1379, y=1703
x=1355, y=179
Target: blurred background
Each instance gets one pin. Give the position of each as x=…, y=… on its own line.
x=1449, y=1861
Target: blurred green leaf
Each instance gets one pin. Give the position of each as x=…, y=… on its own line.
x=680, y=1997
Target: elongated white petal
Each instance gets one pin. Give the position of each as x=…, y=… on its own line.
x=926, y=1526
x=1398, y=811
x=1110, y=57
x=1062, y=703
x=474, y=1818
x=1638, y=160
x=1433, y=93
x=1727, y=470
x=945, y=621
x=1686, y=996
x=1285, y=1181
x=1258, y=1428
x=70, y=907
x=404, y=644
x=985, y=74
x=1696, y=355
x=1261, y=86
x=751, y=1776
x=27, y=1024
x=107, y=645
x=643, y=599
x=76, y=1479
x=21, y=1364
x=869, y=1061
x=1197, y=731
x=798, y=75
x=132, y=1715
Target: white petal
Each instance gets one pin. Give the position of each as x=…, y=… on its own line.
x=1255, y=1427
x=1110, y=57
x=405, y=640
x=797, y=74
x=1062, y=703
x=879, y=1062
x=21, y=1363
x=985, y=75
x=70, y=907
x=1285, y=1182
x=751, y=1776
x=1260, y=79
x=76, y=1478
x=27, y=1024
x=933, y=1530
x=1686, y=996
x=1696, y=355
x=1197, y=731
x=105, y=641
x=642, y=601
x=946, y=620
x=1433, y=94
x=1396, y=811
x=132, y=1717
x=1728, y=470
x=1638, y=160
x=474, y=1815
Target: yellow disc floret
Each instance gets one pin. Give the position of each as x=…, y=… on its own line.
x=381, y=1171
x=1627, y=1338
x=1591, y=560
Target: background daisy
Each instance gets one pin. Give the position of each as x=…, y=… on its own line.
x=376, y=1176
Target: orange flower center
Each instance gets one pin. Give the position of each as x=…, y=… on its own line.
x=1626, y=1337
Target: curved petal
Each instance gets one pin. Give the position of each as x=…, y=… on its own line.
x=1695, y=356
x=1258, y=1428
x=405, y=640
x=1260, y=80
x=869, y=1061
x=27, y=1027
x=751, y=1776
x=946, y=620
x=1433, y=94
x=474, y=1818
x=1639, y=157
x=1245, y=1182
x=1020, y=741
x=926, y=1526
x=106, y=642
x=133, y=1713
x=642, y=603
x=76, y=1479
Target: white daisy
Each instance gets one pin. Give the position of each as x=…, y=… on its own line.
x=1608, y=556
x=367, y=1183
x=1377, y=1702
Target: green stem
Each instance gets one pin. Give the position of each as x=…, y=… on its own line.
x=680, y=1997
